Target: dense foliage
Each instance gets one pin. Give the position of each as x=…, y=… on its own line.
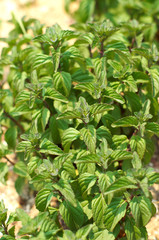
x=80, y=113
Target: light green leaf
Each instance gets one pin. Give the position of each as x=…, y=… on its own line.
x=131, y=83
x=45, y=117
x=89, y=137
x=55, y=95
x=69, y=115
x=3, y=172
x=23, y=216
x=98, y=209
x=154, y=75
x=136, y=161
x=118, y=155
x=115, y=211
x=141, y=208
x=104, y=132
x=100, y=108
x=66, y=190
x=43, y=199
x=62, y=82
x=68, y=136
x=121, y=184
x=86, y=181
x=104, y=234
x=126, y=122
x=131, y=230
x=48, y=147
x=56, y=57
x=138, y=144
x=20, y=168
x=90, y=158
x=152, y=127
x=111, y=93
x=73, y=217
x=83, y=232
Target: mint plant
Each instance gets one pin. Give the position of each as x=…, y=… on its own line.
x=80, y=116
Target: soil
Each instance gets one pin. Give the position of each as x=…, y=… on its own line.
x=50, y=12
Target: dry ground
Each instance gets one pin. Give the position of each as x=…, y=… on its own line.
x=48, y=12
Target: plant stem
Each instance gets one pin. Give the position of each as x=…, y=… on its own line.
x=14, y=120
x=102, y=49
x=90, y=51
x=8, y=160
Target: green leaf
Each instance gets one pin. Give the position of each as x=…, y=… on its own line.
x=131, y=230
x=118, y=155
x=62, y=82
x=104, y=132
x=21, y=169
x=70, y=115
x=138, y=144
x=68, y=136
x=82, y=76
x=136, y=161
x=55, y=95
x=89, y=137
x=100, y=108
x=121, y=184
x=126, y=122
x=152, y=127
x=104, y=234
x=45, y=117
x=85, y=10
x=23, y=146
x=43, y=199
x=23, y=216
x=98, y=209
x=141, y=210
x=48, y=147
x=83, y=232
x=66, y=190
x=112, y=94
x=153, y=177
x=3, y=172
x=131, y=83
x=73, y=217
x=86, y=181
x=154, y=75
x=115, y=211
x=56, y=57
x=133, y=101
x=90, y=158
